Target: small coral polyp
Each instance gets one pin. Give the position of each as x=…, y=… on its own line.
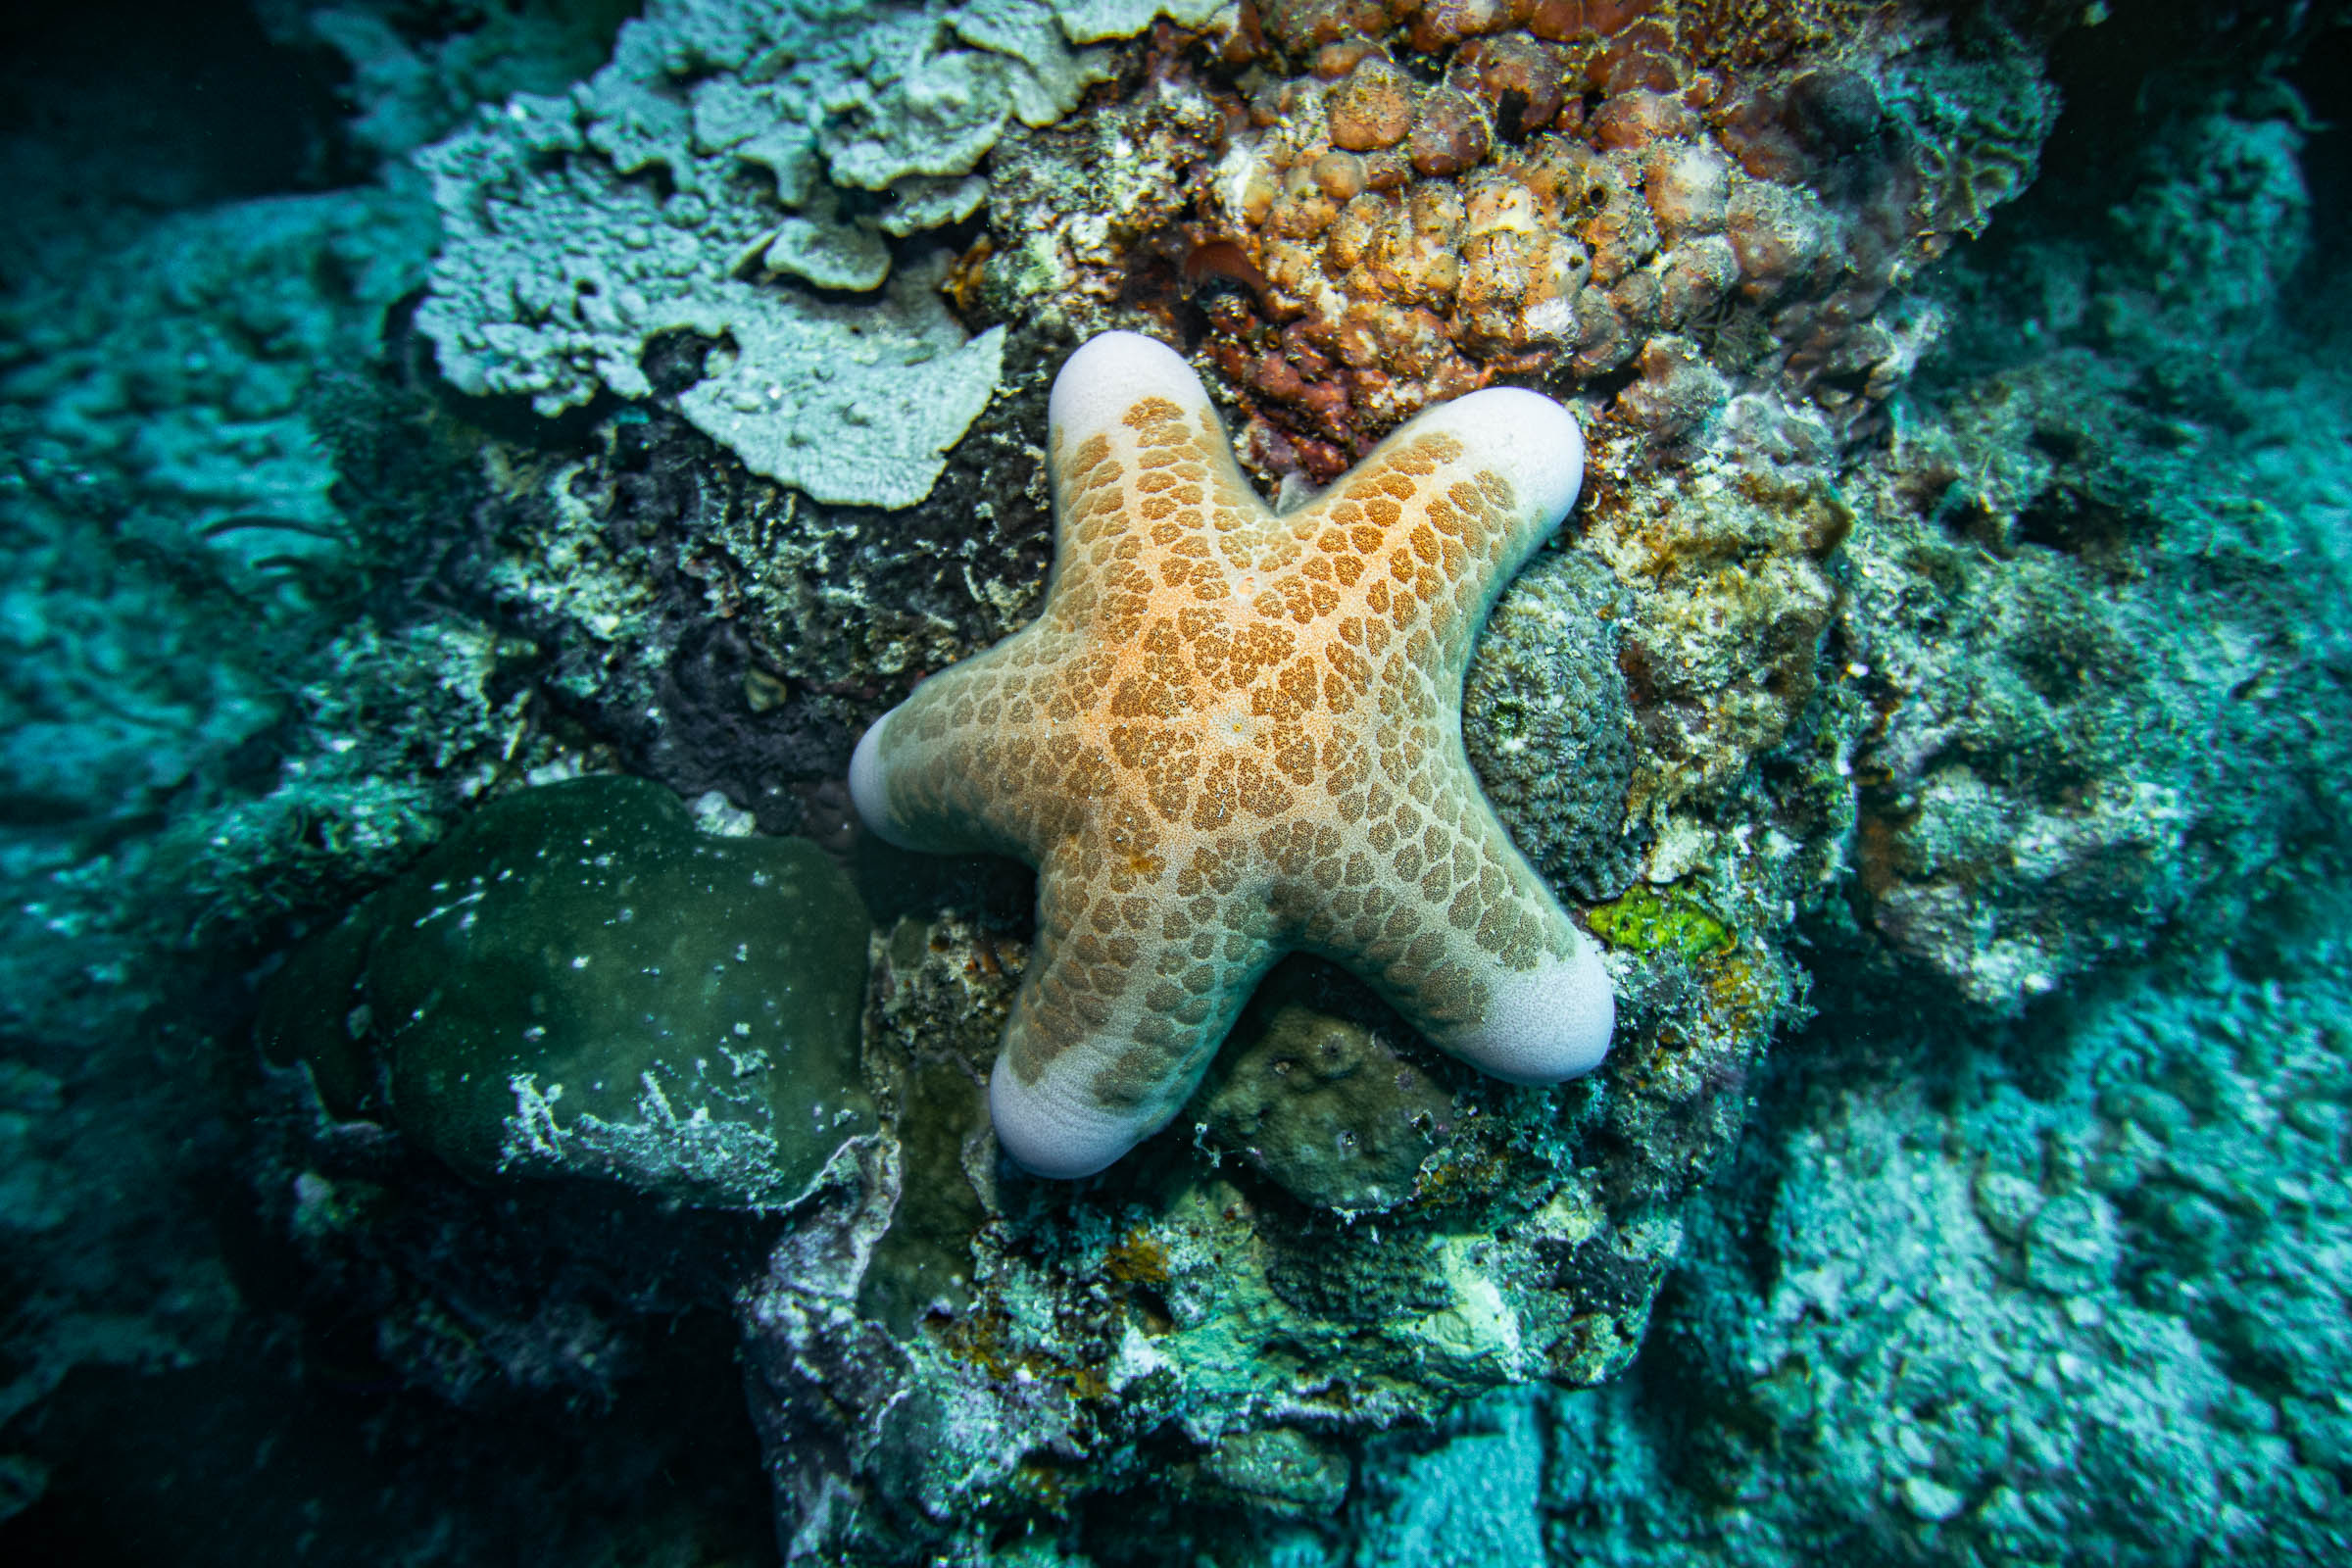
x=1232, y=734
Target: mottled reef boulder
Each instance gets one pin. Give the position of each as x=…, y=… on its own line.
x=578, y=983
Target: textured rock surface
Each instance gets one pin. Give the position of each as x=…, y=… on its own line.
x=932, y=1333
x=1547, y=724
x=1976, y=625
x=1327, y=1110
x=159, y=467
x=580, y=984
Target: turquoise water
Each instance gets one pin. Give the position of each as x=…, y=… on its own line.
x=474, y=1090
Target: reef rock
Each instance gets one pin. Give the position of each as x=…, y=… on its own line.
x=580, y=984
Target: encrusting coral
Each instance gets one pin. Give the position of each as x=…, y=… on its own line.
x=1232, y=734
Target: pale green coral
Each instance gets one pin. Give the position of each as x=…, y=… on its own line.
x=844, y=413
x=724, y=150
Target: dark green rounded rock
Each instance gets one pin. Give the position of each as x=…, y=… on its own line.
x=579, y=982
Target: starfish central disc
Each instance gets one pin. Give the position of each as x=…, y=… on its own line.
x=1232, y=734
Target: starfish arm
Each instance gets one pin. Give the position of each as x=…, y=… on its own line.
x=930, y=774
x=1139, y=462
x=1434, y=523
x=1126, y=999
x=1525, y=441
x=1466, y=940
x=1427, y=898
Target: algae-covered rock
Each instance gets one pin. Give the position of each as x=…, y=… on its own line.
x=578, y=983
x=1329, y=1110
x=1548, y=725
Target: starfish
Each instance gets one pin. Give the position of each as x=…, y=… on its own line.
x=1233, y=733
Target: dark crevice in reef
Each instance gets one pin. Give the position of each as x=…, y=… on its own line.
x=127, y=107
x=2144, y=62
x=2128, y=87
x=2323, y=78
x=197, y=1466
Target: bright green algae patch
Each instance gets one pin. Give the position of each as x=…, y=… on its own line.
x=1647, y=921
x=579, y=982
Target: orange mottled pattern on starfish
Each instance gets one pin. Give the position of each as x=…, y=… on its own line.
x=1231, y=733
x=1225, y=738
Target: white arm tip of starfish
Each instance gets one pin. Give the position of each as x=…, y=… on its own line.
x=1550, y=1023
x=1113, y=371
x=866, y=790
x=1525, y=437
x=1050, y=1130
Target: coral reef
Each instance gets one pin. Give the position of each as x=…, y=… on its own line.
x=2107, y=1322
x=726, y=147
x=2086, y=777
x=949, y=1349
x=178, y=372
x=1407, y=212
x=413, y=74
x=1941, y=678
x=161, y=470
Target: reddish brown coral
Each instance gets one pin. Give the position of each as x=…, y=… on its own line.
x=1372, y=108
x=1522, y=81
x=1301, y=27
x=1433, y=193
x=1591, y=18
x=1443, y=23
x=1632, y=120
x=1449, y=133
